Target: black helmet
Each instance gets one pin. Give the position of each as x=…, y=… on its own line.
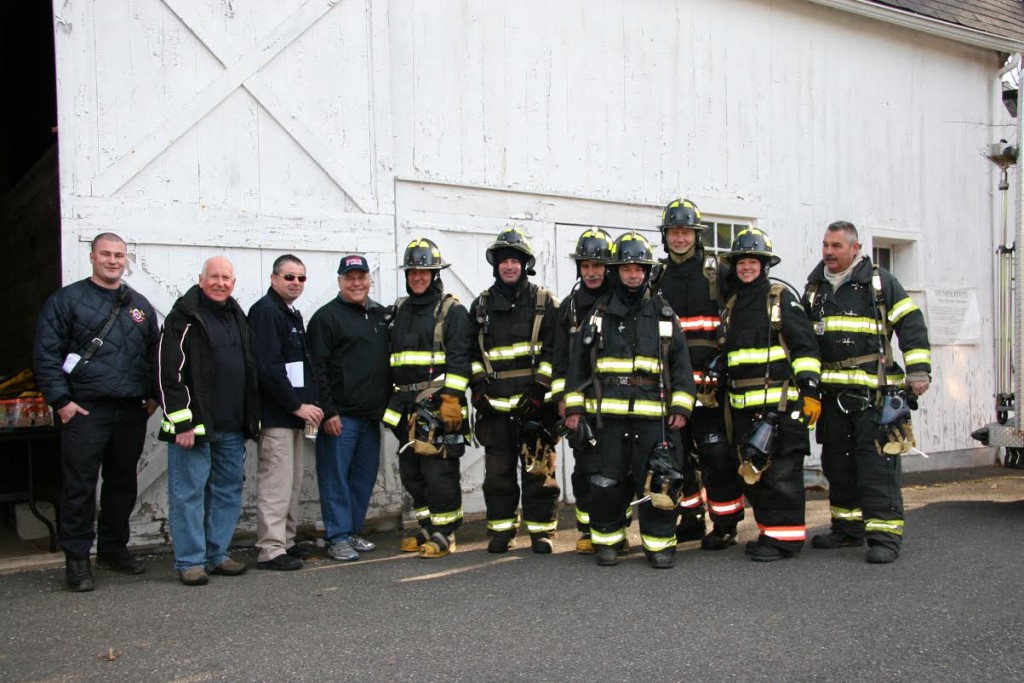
x=751, y=243
x=593, y=245
x=632, y=247
x=681, y=213
x=422, y=254
x=512, y=238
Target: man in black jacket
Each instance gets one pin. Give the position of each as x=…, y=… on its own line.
x=348, y=338
x=95, y=354
x=210, y=396
x=288, y=406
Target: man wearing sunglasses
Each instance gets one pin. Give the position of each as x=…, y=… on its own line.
x=288, y=405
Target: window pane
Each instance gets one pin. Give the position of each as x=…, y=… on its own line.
x=724, y=231
x=883, y=257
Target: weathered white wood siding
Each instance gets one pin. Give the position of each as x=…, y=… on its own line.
x=197, y=127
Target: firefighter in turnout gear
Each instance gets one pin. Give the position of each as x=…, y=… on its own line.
x=772, y=375
x=514, y=325
x=431, y=338
x=630, y=376
x=855, y=307
x=593, y=250
x=690, y=280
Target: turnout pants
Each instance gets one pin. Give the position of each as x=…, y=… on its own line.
x=433, y=483
x=719, y=465
x=502, y=459
x=109, y=438
x=779, y=497
x=617, y=474
x=865, y=488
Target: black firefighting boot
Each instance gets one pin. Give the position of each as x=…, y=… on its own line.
x=720, y=538
x=833, y=540
x=541, y=543
x=607, y=555
x=663, y=559
x=769, y=553
x=881, y=554
x=691, y=528
x=500, y=542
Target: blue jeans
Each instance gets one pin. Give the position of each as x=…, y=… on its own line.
x=204, y=486
x=346, y=470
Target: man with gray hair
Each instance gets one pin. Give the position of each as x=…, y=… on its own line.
x=288, y=406
x=855, y=307
x=209, y=391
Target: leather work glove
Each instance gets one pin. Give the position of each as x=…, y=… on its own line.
x=482, y=404
x=451, y=413
x=530, y=402
x=811, y=410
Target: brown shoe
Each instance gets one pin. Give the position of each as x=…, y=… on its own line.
x=229, y=568
x=194, y=576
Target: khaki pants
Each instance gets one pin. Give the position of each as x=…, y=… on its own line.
x=278, y=481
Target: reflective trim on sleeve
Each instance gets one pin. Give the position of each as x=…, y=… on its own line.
x=558, y=386
x=391, y=417
x=573, y=399
x=858, y=377
x=902, y=308
x=917, y=356
x=170, y=428
x=180, y=416
x=805, y=364
x=544, y=369
x=456, y=382
x=681, y=399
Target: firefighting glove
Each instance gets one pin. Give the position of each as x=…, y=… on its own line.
x=811, y=403
x=451, y=413
x=811, y=410
x=530, y=402
x=481, y=403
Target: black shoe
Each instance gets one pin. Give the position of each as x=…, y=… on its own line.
x=748, y=549
x=833, y=540
x=78, y=574
x=283, y=563
x=663, y=559
x=690, y=529
x=720, y=538
x=300, y=552
x=541, y=544
x=500, y=543
x=881, y=554
x=769, y=553
x=120, y=561
x=607, y=555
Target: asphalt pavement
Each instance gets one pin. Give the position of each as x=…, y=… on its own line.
x=950, y=609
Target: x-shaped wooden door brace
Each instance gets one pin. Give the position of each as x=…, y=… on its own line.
x=240, y=70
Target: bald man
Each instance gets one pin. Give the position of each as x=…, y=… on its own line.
x=210, y=396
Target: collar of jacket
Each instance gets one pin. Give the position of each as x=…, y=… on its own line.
x=370, y=304
x=861, y=272
x=501, y=302
x=279, y=301
x=617, y=306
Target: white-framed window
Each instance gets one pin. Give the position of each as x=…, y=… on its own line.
x=898, y=255
x=720, y=234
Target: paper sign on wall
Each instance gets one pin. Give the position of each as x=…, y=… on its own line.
x=953, y=316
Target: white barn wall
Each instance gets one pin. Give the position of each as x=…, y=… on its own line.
x=195, y=127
